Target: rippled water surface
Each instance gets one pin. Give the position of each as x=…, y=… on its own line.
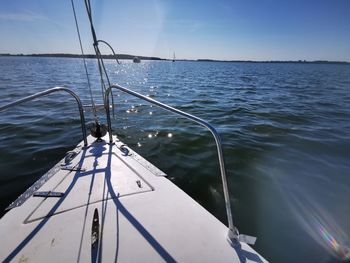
x=285, y=130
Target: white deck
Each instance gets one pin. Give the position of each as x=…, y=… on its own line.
x=143, y=217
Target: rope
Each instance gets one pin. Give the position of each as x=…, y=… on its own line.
x=115, y=56
x=86, y=71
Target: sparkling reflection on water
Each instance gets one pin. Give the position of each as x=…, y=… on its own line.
x=285, y=130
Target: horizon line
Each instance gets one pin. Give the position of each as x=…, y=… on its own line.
x=131, y=56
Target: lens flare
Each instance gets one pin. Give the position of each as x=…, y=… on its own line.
x=321, y=226
x=316, y=216
x=342, y=252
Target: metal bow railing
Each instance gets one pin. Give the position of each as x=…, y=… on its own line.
x=49, y=91
x=233, y=234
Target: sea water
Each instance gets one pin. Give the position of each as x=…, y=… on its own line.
x=285, y=130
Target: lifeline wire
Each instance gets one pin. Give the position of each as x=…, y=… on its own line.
x=86, y=71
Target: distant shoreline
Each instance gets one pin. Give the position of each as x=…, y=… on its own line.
x=64, y=55
x=279, y=61
x=131, y=57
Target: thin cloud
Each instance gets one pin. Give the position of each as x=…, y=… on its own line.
x=22, y=17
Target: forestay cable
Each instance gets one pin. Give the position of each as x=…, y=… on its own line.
x=101, y=65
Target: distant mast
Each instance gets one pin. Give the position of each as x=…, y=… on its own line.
x=174, y=57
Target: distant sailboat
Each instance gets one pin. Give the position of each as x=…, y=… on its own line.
x=174, y=57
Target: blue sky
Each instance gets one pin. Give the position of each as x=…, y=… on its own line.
x=223, y=29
